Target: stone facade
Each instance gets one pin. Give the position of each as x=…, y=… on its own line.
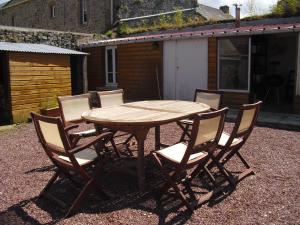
x=54, y=38
x=136, y=8
x=68, y=16
x=68, y=13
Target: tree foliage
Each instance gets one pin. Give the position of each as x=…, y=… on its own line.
x=287, y=7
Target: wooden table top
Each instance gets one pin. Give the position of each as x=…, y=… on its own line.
x=145, y=112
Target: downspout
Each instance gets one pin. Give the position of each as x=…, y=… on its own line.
x=111, y=13
x=84, y=74
x=298, y=68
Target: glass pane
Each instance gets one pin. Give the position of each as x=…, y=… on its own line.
x=110, y=77
x=233, y=68
x=109, y=60
x=234, y=74
x=234, y=46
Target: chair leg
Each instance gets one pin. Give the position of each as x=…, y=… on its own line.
x=181, y=196
x=210, y=176
x=50, y=182
x=221, y=168
x=185, y=131
x=243, y=160
x=117, y=151
x=79, y=198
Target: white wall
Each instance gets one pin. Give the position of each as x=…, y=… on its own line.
x=185, y=68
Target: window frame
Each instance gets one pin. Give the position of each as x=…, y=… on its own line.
x=13, y=20
x=249, y=68
x=53, y=11
x=83, y=12
x=114, y=67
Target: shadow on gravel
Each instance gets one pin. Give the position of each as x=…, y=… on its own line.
x=16, y=215
x=119, y=181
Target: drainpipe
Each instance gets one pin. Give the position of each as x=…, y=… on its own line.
x=237, y=15
x=84, y=74
x=111, y=12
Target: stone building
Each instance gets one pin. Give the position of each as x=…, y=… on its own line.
x=87, y=16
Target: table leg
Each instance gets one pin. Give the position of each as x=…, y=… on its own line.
x=157, y=137
x=141, y=137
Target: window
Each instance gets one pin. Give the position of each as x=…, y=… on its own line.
x=234, y=64
x=13, y=21
x=83, y=11
x=52, y=11
x=110, y=59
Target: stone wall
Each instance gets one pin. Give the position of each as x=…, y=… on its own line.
x=54, y=38
x=37, y=14
x=136, y=8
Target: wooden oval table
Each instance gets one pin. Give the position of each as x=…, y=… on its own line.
x=138, y=117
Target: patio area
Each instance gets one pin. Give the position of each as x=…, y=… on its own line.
x=269, y=197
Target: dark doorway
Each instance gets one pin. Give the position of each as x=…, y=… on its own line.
x=76, y=74
x=5, y=112
x=273, y=71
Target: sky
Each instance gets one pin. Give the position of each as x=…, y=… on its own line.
x=1, y=1
x=261, y=6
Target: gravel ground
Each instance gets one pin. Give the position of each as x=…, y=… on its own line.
x=269, y=197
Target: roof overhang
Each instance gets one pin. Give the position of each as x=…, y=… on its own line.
x=7, y=5
x=245, y=30
x=37, y=48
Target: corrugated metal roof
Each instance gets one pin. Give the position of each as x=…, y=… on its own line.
x=245, y=30
x=37, y=48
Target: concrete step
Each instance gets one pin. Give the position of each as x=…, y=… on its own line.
x=274, y=120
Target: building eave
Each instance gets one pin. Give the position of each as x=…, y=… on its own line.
x=14, y=5
x=241, y=31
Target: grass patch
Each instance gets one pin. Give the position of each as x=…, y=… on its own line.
x=164, y=22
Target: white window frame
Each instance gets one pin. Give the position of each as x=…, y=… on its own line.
x=83, y=11
x=114, y=72
x=249, y=70
x=53, y=11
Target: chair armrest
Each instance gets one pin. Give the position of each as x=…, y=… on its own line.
x=71, y=127
x=104, y=137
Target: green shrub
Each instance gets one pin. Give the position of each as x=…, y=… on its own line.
x=287, y=7
x=178, y=18
x=109, y=33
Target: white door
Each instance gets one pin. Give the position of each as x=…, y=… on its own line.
x=185, y=68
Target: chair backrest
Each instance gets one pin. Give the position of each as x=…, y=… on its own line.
x=245, y=122
x=206, y=132
x=72, y=107
x=111, y=98
x=51, y=134
x=213, y=98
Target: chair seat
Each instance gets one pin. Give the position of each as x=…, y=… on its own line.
x=82, y=157
x=86, y=133
x=176, y=152
x=225, y=137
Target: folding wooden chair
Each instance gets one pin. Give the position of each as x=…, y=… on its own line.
x=112, y=98
x=175, y=160
x=212, y=98
x=230, y=144
x=71, y=108
x=70, y=158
